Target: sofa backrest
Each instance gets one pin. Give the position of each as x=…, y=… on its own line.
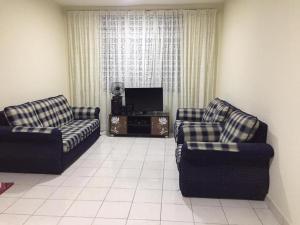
x=260, y=135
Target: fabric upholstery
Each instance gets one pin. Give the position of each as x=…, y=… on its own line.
x=221, y=113
x=43, y=130
x=62, y=110
x=240, y=127
x=190, y=114
x=46, y=113
x=201, y=133
x=210, y=110
x=81, y=113
x=76, y=131
x=22, y=115
x=178, y=153
x=212, y=146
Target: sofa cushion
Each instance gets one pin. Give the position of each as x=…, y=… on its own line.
x=221, y=113
x=22, y=115
x=210, y=110
x=62, y=109
x=46, y=113
x=76, y=131
x=240, y=127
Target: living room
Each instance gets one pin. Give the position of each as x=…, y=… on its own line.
x=99, y=156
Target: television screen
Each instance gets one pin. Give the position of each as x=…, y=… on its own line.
x=144, y=99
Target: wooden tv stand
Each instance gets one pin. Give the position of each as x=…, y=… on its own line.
x=144, y=125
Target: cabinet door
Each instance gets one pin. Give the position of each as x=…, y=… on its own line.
x=160, y=126
x=118, y=125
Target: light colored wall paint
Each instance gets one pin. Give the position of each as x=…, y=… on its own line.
x=33, y=56
x=259, y=72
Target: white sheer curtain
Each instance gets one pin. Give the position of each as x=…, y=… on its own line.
x=173, y=49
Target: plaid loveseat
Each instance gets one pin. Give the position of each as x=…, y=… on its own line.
x=228, y=159
x=45, y=136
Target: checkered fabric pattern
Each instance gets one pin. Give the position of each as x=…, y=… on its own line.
x=43, y=130
x=22, y=115
x=81, y=113
x=76, y=131
x=46, y=113
x=210, y=110
x=190, y=114
x=240, y=127
x=201, y=133
x=62, y=109
x=212, y=146
x=221, y=113
x=178, y=153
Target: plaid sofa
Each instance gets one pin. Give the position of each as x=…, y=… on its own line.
x=45, y=136
x=228, y=159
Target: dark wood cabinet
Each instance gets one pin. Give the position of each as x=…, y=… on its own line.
x=156, y=125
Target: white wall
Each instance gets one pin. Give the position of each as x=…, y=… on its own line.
x=260, y=72
x=33, y=56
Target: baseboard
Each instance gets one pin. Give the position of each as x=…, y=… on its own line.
x=276, y=212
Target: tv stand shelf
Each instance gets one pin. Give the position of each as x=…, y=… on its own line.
x=144, y=125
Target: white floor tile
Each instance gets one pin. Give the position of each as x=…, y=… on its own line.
x=173, y=212
x=241, y=216
x=6, y=202
x=42, y=192
x=75, y=221
x=107, y=172
x=42, y=220
x=145, y=211
x=118, y=210
x=54, y=208
x=205, y=202
x=153, y=174
x=132, y=164
x=171, y=184
x=84, y=171
x=208, y=214
x=148, y=183
x=129, y=173
x=235, y=203
x=120, y=195
x=112, y=164
x=24, y=206
x=76, y=181
x=176, y=223
x=68, y=193
x=125, y=183
x=258, y=204
x=84, y=209
x=143, y=222
x=93, y=194
x=266, y=216
x=100, y=182
x=171, y=174
x=16, y=191
x=147, y=195
x=103, y=221
x=11, y=219
x=175, y=197
x=52, y=180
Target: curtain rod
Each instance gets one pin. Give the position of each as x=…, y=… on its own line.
x=118, y=9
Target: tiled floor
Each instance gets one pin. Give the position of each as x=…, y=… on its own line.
x=118, y=181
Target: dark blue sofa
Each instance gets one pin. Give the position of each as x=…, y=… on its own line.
x=226, y=158
x=45, y=136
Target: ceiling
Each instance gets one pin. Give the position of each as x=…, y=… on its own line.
x=132, y=2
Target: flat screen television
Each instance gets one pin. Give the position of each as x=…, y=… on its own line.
x=143, y=100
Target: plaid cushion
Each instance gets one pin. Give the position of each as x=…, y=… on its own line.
x=45, y=112
x=22, y=115
x=240, y=127
x=81, y=113
x=62, y=109
x=43, y=130
x=221, y=113
x=202, y=133
x=189, y=114
x=76, y=131
x=210, y=110
x=212, y=146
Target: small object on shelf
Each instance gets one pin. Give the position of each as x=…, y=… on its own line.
x=117, y=89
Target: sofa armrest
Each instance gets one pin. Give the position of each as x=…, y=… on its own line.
x=31, y=150
x=202, y=132
x=83, y=113
x=190, y=114
x=231, y=154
